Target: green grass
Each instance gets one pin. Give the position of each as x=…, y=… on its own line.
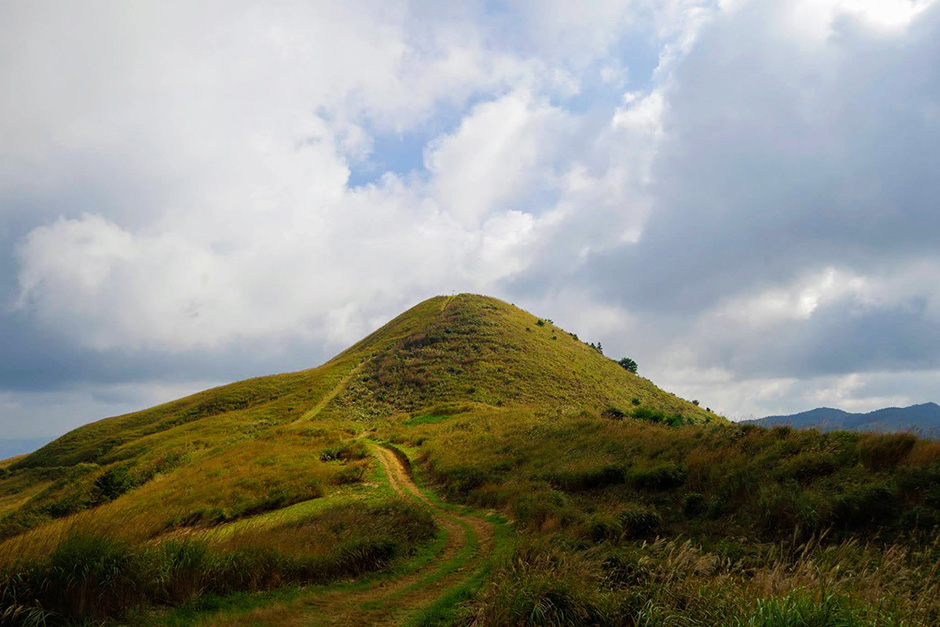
x=213, y=607
x=801, y=610
x=750, y=482
x=632, y=506
x=201, y=608
x=97, y=576
x=224, y=453
x=448, y=609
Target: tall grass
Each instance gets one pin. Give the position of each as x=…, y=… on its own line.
x=91, y=576
x=628, y=522
x=193, y=486
x=705, y=481
x=667, y=582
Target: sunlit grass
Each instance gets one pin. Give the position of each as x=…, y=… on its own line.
x=628, y=514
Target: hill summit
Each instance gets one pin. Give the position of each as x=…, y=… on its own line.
x=446, y=355
x=463, y=348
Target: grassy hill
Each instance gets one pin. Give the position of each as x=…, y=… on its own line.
x=628, y=505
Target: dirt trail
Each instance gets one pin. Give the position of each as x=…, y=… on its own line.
x=469, y=542
x=328, y=398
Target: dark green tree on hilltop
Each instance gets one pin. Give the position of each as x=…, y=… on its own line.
x=628, y=364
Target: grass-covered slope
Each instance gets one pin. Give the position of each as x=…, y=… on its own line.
x=260, y=444
x=632, y=506
x=479, y=349
x=465, y=347
x=624, y=522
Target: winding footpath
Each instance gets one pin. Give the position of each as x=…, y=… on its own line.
x=466, y=551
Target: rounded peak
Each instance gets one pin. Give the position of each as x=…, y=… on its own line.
x=465, y=297
x=463, y=300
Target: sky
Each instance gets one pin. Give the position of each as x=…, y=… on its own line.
x=740, y=195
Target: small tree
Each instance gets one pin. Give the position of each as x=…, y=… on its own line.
x=628, y=364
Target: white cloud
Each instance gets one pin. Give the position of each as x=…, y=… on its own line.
x=797, y=301
x=641, y=114
x=767, y=192
x=501, y=150
x=235, y=143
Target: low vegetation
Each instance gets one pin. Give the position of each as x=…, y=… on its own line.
x=95, y=576
x=624, y=520
x=630, y=506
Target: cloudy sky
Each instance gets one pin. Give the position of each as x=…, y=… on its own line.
x=743, y=195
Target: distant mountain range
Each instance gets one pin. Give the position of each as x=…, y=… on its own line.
x=923, y=419
x=19, y=446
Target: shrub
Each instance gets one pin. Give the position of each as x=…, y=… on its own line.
x=639, y=522
x=628, y=364
x=589, y=479
x=69, y=503
x=865, y=505
x=883, y=452
x=807, y=467
x=114, y=482
x=344, y=452
x=543, y=586
x=661, y=477
x=533, y=510
x=658, y=417
x=785, y=508
x=649, y=415
x=694, y=504
x=677, y=420
x=603, y=527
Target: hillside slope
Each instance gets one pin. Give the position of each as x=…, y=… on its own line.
x=616, y=503
x=224, y=453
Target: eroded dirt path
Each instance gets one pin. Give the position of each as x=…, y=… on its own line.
x=469, y=543
x=328, y=398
